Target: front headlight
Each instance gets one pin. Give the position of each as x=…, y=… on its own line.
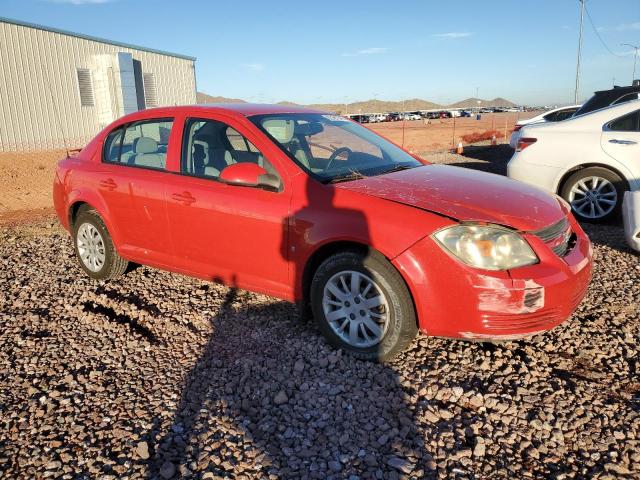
x=486, y=246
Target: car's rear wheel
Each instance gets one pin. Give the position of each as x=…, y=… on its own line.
x=362, y=305
x=594, y=193
x=94, y=248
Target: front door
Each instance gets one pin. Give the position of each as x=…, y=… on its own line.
x=233, y=234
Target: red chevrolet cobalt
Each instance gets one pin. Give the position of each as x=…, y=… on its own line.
x=316, y=209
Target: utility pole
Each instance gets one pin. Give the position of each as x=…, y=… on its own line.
x=635, y=58
x=575, y=96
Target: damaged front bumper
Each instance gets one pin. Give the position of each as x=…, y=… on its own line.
x=455, y=300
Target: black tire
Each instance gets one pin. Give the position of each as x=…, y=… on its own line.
x=618, y=183
x=401, y=326
x=114, y=265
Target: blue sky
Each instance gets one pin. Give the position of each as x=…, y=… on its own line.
x=337, y=50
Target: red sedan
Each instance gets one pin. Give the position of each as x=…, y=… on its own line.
x=316, y=209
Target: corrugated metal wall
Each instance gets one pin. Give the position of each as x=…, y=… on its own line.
x=39, y=96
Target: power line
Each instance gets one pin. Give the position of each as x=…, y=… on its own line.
x=579, y=52
x=598, y=35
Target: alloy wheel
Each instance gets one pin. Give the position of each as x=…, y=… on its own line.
x=593, y=197
x=356, y=308
x=91, y=248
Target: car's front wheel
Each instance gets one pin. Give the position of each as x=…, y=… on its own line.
x=594, y=193
x=94, y=248
x=362, y=305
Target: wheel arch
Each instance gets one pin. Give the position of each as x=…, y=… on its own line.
x=563, y=179
x=330, y=248
x=77, y=204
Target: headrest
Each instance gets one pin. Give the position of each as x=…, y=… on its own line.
x=281, y=130
x=145, y=145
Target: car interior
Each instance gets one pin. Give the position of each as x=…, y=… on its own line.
x=318, y=149
x=212, y=146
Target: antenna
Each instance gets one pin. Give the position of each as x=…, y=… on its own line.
x=575, y=95
x=57, y=113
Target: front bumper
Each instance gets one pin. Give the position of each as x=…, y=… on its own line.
x=455, y=300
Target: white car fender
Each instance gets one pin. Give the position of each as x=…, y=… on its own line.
x=631, y=218
x=607, y=162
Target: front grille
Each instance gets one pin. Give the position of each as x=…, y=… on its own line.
x=558, y=236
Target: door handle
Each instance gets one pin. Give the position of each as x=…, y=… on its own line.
x=109, y=184
x=622, y=142
x=184, y=197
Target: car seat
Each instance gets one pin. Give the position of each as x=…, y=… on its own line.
x=146, y=154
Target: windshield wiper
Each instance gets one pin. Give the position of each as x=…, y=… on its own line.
x=396, y=168
x=347, y=177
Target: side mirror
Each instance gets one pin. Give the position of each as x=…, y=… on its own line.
x=249, y=175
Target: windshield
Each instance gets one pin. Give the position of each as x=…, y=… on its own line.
x=332, y=148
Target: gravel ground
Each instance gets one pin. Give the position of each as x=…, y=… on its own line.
x=156, y=375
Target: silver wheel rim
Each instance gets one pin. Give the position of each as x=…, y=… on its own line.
x=91, y=249
x=593, y=197
x=356, y=308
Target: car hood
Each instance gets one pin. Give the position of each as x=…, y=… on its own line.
x=464, y=195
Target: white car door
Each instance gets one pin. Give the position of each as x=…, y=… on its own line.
x=621, y=141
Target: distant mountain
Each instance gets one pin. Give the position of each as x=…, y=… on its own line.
x=502, y=102
x=473, y=103
x=204, y=98
x=373, y=106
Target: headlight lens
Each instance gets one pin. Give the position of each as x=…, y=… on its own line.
x=486, y=246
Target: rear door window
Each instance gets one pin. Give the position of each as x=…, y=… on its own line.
x=140, y=144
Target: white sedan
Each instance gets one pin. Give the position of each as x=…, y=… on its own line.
x=589, y=160
x=555, y=115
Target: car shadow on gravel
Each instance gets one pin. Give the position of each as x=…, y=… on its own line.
x=289, y=404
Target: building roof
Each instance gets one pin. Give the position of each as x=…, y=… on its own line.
x=93, y=39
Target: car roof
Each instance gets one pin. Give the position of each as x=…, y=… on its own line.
x=604, y=98
x=603, y=115
x=247, y=109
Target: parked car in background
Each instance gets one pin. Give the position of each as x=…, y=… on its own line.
x=412, y=116
x=465, y=113
x=631, y=218
x=555, y=115
x=360, y=118
x=395, y=117
x=606, y=98
x=590, y=160
x=313, y=208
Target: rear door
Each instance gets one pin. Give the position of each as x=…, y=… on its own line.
x=233, y=234
x=134, y=174
x=621, y=141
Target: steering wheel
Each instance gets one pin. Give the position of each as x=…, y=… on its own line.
x=335, y=154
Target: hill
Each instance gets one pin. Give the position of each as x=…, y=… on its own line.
x=373, y=106
x=473, y=103
x=204, y=98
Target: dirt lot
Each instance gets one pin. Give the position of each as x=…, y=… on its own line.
x=156, y=375
x=27, y=177
x=421, y=137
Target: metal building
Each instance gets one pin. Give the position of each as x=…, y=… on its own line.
x=58, y=88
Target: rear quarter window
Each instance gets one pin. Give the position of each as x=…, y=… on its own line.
x=112, y=146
